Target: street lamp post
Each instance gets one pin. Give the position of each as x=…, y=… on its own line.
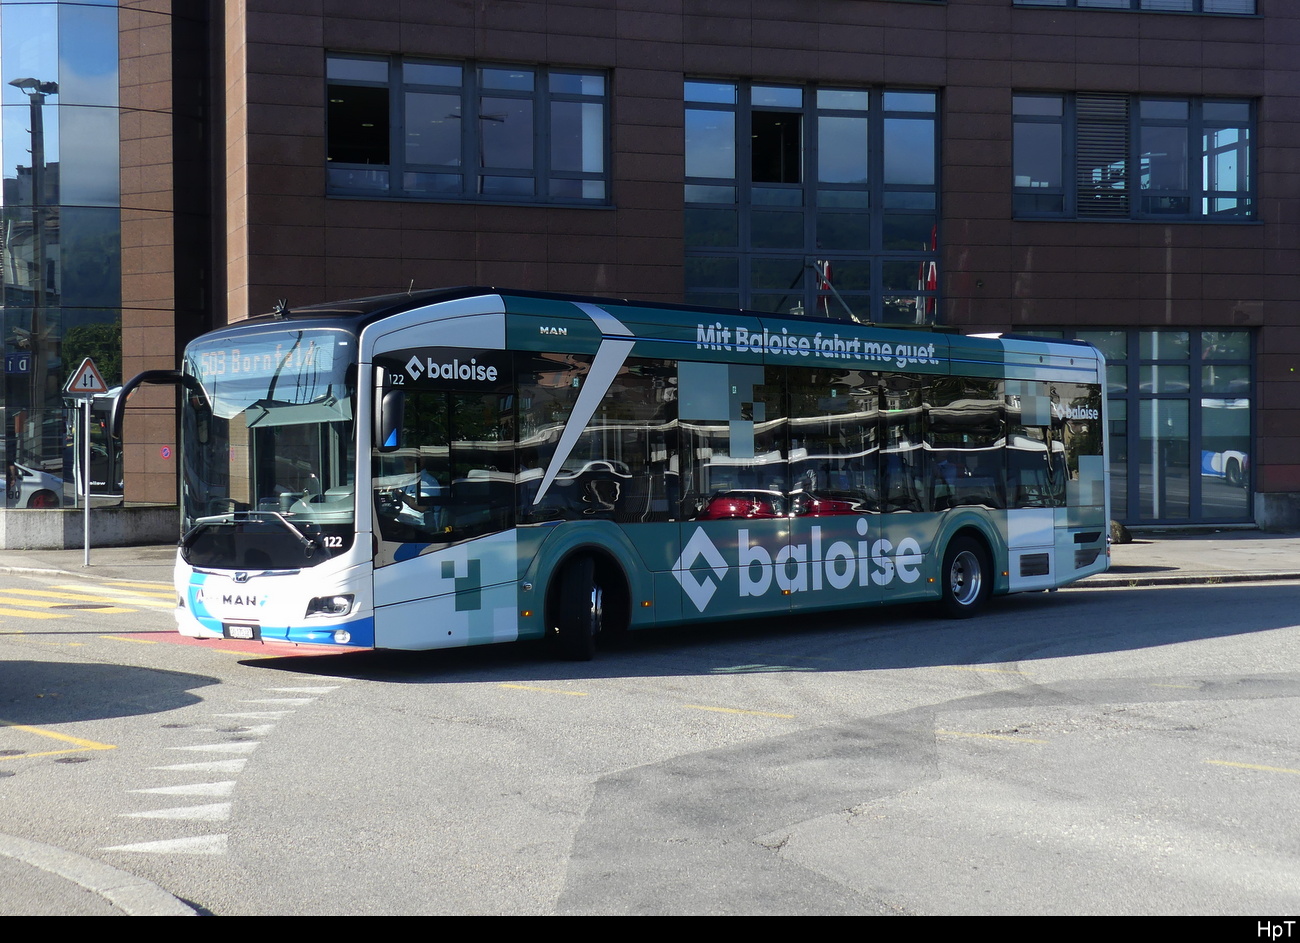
x=36, y=93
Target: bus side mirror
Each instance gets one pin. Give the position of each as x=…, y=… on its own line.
x=390, y=406
x=149, y=376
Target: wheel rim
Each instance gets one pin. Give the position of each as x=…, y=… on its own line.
x=965, y=579
x=42, y=499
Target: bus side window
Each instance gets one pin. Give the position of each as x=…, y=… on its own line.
x=1035, y=452
x=834, y=439
x=903, y=465
x=732, y=429
x=445, y=483
x=620, y=467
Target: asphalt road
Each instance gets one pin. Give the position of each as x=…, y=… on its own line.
x=1118, y=751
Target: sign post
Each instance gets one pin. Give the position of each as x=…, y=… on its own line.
x=85, y=384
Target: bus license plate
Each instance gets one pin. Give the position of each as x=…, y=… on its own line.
x=241, y=631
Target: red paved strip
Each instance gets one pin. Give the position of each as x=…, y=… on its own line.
x=236, y=645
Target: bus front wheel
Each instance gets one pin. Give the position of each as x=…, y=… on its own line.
x=579, y=610
x=967, y=578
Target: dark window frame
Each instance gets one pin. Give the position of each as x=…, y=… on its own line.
x=463, y=181
x=741, y=271
x=1114, y=122
x=1198, y=7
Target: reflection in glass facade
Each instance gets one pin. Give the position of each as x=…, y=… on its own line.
x=60, y=227
x=812, y=200
x=1181, y=405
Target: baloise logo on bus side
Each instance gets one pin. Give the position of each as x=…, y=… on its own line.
x=443, y=369
x=430, y=369
x=796, y=568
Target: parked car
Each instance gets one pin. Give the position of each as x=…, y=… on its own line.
x=34, y=489
x=728, y=505
x=755, y=504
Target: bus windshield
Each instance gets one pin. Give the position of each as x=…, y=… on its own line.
x=269, y=457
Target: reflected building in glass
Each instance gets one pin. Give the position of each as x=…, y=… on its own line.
x=61, y=217
x=89, y=132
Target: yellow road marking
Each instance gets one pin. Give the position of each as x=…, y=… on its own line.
x=1262, y=769
x=79, y=597
x=29, y=756
x=139, y=641
x=79, y=607
x=31, y=613
x=81, y=745
x=135, y=595
x=41, y=603
x=988, y=736
x=35, y=641
x=152, y=583
x=734, y=710
x=529, y=687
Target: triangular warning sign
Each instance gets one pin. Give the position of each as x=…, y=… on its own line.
x=86, y=381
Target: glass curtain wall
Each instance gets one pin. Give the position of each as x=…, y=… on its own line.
x=60, y=227
x=1181, y=405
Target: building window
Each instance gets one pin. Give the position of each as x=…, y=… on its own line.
x=423, y=129
x=1246, y=7
x=1106, y=156
x=812, y=200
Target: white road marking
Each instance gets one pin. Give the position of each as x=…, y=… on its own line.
x=213, y=812
x=212, y=766
x=245, y=747
x=202, y=845
x=194, y=789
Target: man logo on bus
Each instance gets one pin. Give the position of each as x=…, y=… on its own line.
x=798, y=568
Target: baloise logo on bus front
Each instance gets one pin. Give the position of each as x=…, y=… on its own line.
x=795, y=567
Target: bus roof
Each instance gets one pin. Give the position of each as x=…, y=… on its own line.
x=563, y=323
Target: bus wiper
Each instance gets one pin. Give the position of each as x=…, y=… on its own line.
x=243, y=517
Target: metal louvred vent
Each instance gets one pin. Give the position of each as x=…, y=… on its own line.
x=1101, y=161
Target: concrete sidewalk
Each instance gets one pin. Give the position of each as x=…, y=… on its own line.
x=151, y=564
x=1159, y=558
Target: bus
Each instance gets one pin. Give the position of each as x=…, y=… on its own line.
x=457, y=467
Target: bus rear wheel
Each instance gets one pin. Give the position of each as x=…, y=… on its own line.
x=580, y=607
x=967, y=578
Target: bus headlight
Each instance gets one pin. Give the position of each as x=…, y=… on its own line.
x=339, y=605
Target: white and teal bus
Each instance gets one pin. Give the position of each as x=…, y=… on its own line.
x=450, y=468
